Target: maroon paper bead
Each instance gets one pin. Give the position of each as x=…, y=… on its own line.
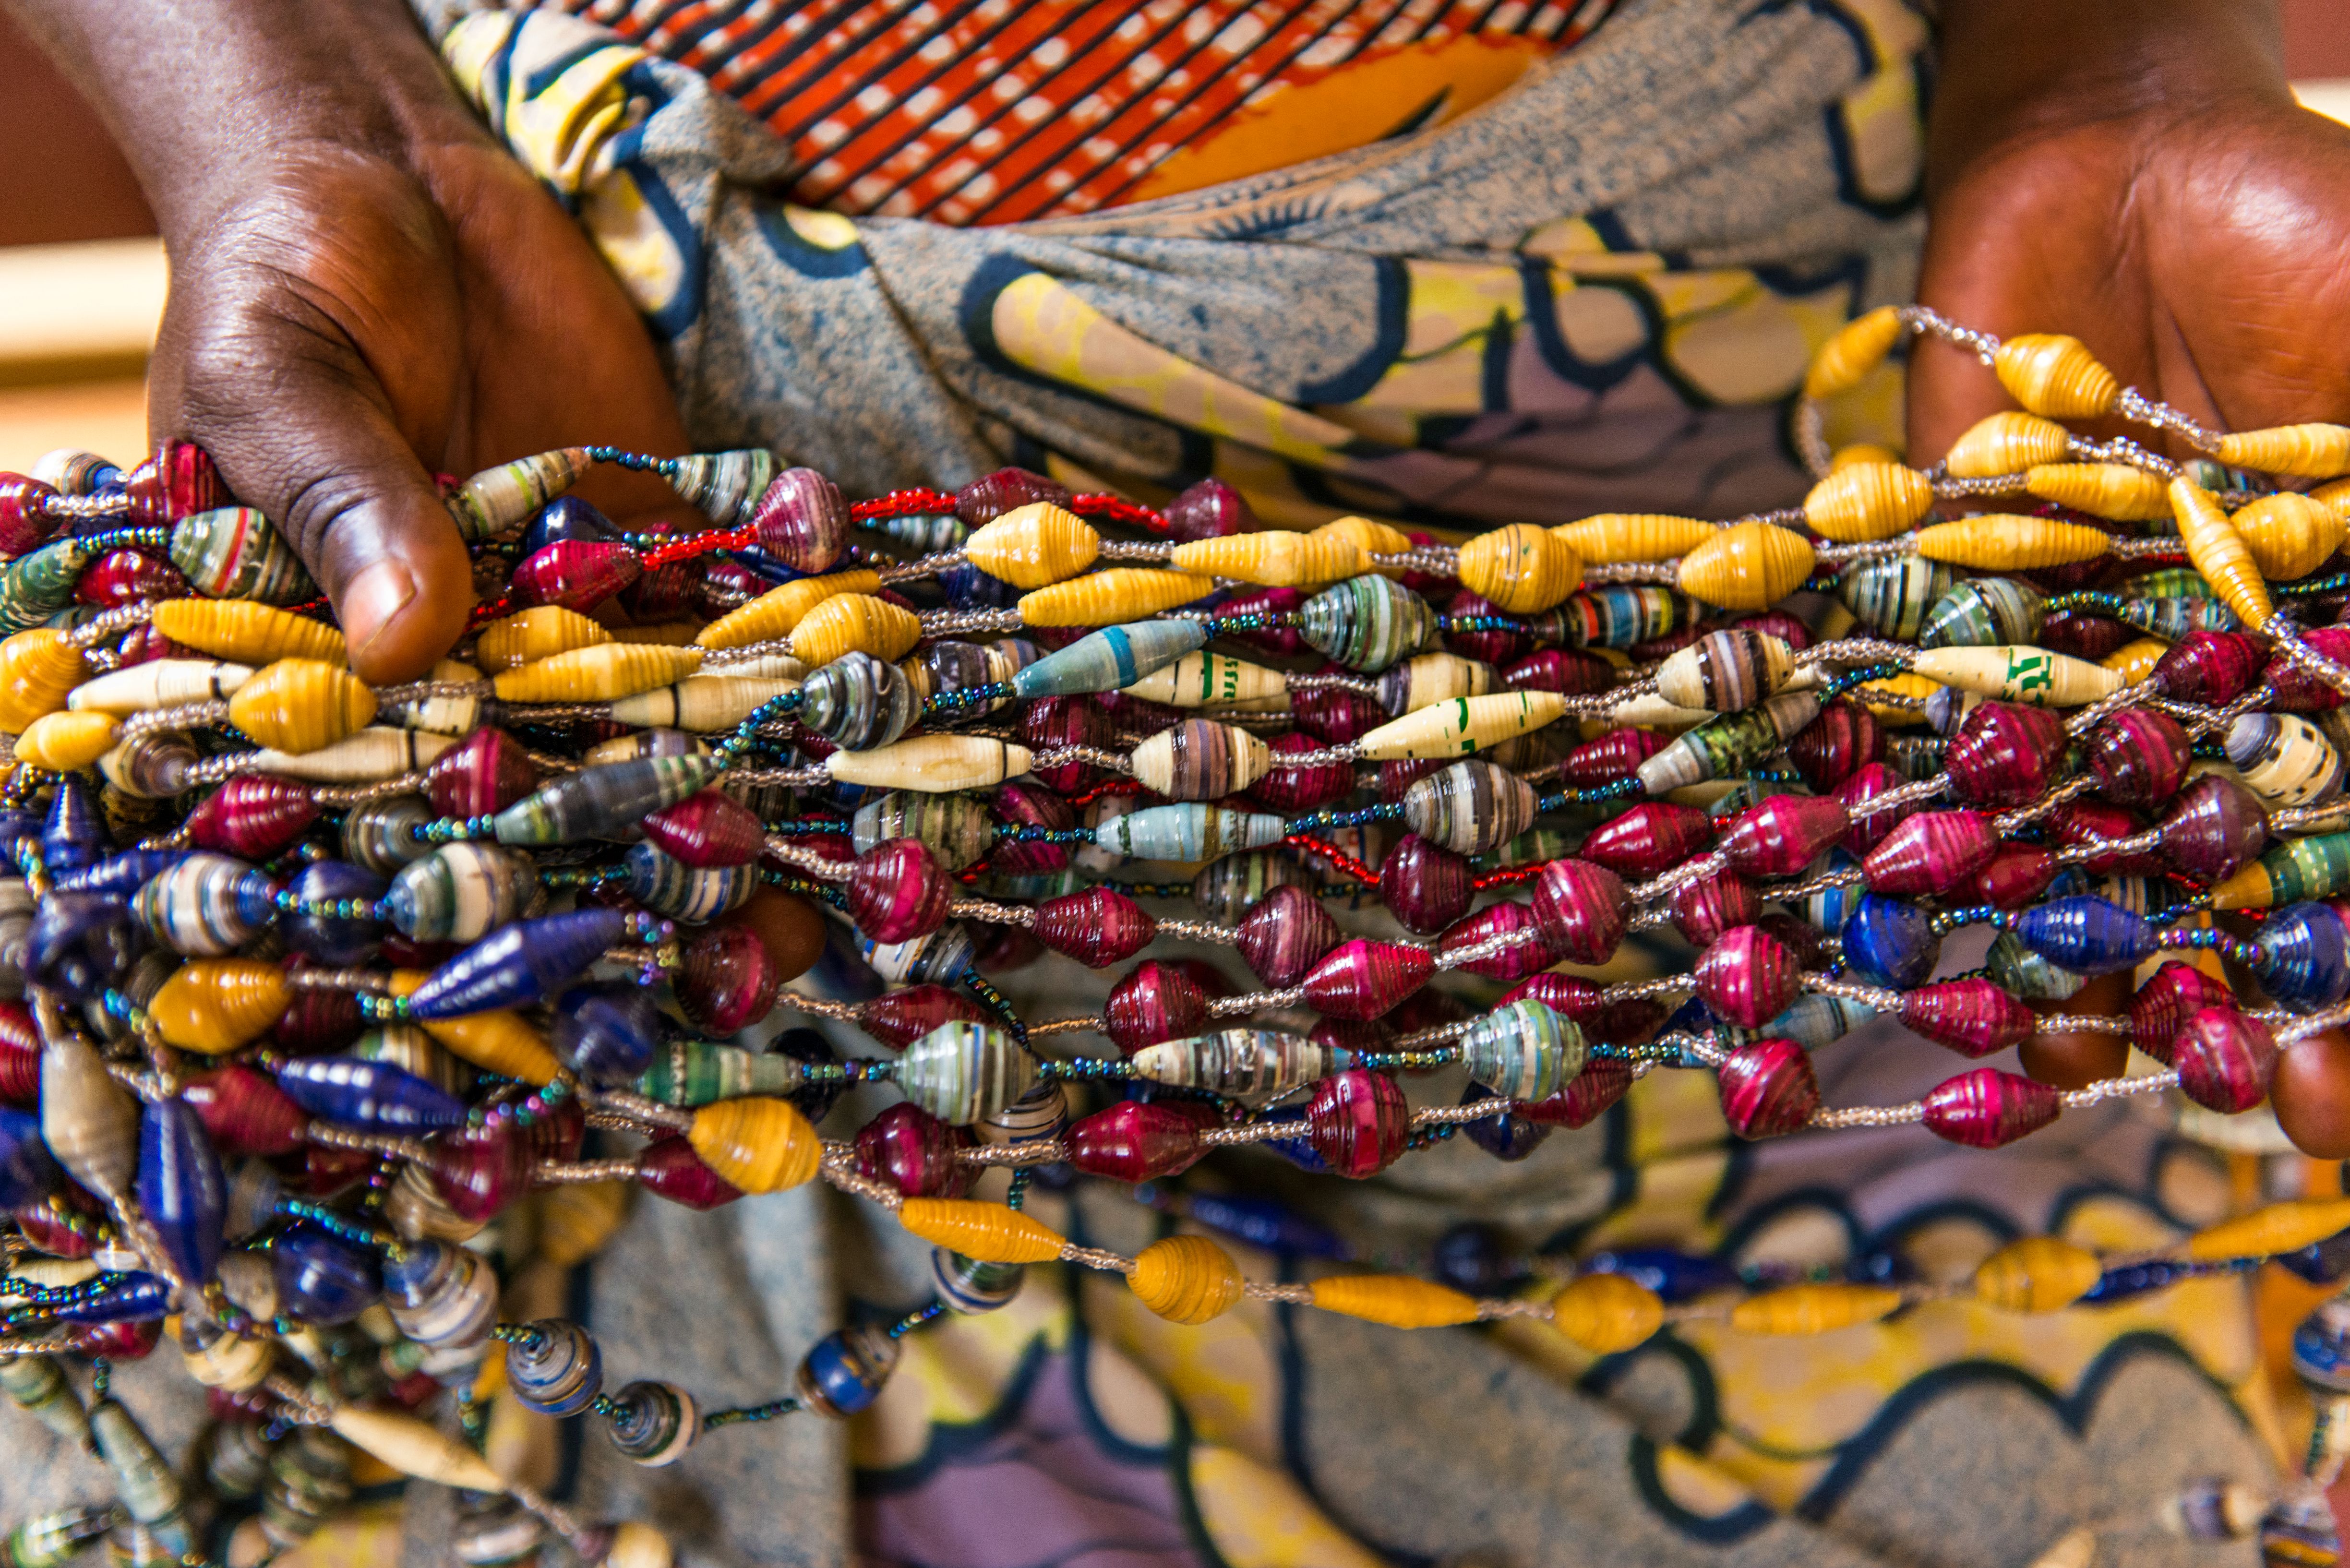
x=51, y=1235
x=899, y=1018
x=1051, y=722
x=1291, y=789
x=245, y=1112
x=1361, y=1034
x=1155, y=1002
x=2214, y=828
x=1495, y=648
x=578, y=574
x=2138, y=757
x=123, y=577
x=1521, y=958
x=1971, y=1016
x=1267, y=602
x=2017, y=874
x=1869, y=825
x=2211, y=667
x=1748, y=977
x=1396, y=778
x=1705, y=907
x=914, y=1152
x=2298, y=690
x=1778, y=624
x=252, y=817
x=317, y=1023
x=708, y=830
x=898, y=891
x=1988, y=1108
x=20, y=1055
x=1334, y=715
x=1127, y=712
x=663, y=594
x=990, y=496
x=1798, y=936
x=556, y=1132
x=1136, y=1140
x=1768, y=1088
x=1659, y=649
x=727, y=981
x=1357, y=1121
x=478, y=1170
x=1286, y=935
x=177, y=482
x=1209, y=509
x=1003, y=949
x=2170, y=996
x=25, y=521
x=128, y=1341
x=1843, y=739
x=726, y=586
x=1580, y=906
x=2079, y=823
x=1425, y=886
x=2004, y=754
x=1652, y=838
x=1030, y=806
x=1605, y=760
x=1603, y=1081
x=1363, y=978
x=1579, y=1000
x=2224, y=1059
x=1930, y=854
x=2085, y=635
x=481, y=775
x=668, y=1168
x=318, y=1172
x=1571, y=671
x=1099, y=926
x=802, y=521
x=1782, y=835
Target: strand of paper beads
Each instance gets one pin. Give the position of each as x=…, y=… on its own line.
x=321, y=980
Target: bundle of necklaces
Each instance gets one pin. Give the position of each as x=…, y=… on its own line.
x=319, y=978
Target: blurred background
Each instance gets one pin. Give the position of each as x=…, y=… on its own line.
x=82, y=276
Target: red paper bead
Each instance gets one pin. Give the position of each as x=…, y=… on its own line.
x=2174, y=994
x=2016, y=875
x=668, y=1168
x=1799, y=937
x=578, y=574
x=1209, y=509
x=2298, y=690
x=1520, y=959
x=1580, y=906
x=1768, y=1088
x=1988, y=1108
x=1357, y=1121
x=123, y=577
x=1363, y=978
x=2085, y=635
x=1135, y=1140
x=1053, y=722
x=1931, y=853
x=20, y=1055
x=252, y=817
x=326, y=1020
x=1359, y=1034
x=2078, y=823
x=128, y=1341
x=2138, y=757
x=1307, y=787
x=1842, y=740
x=1334, y=715
x=1496, y=647
x=1704, y=907
x=1099, y=926
x=663, y=594
x=899, y=1018
x=1156, y=1001
x=177, y=482
x=899, y=891
x=1747, y=977
x=990, y=496
x=1650, y=838
x=1017, y=806
x=1609, y=758
x=2224, y=1059
x=1783, y=834
x=2209, y=667
x=727, y=981
x=558, y=1131
x=2213, y=828
x=25, y=521
x=803, y=521
x=1569, y=670
x=1603, y=1081
x=481, y=775
x=1286, y=935
x=1971, y=1016
x=2004, y=754
x=478, y=1170
x=705, y=830
x=49, y=1232
x=246, y=1113
x=1396, y=778
x=914, y=1152
x=1870, y=824
x=1425, y=886
x=726, y=586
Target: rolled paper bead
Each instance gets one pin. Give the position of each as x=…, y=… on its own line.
x=955, y=828
x=180, y=1187
x=461, y=892
x=2224, y=1059
x=1581, y=909
x=2305, y=451
x=943, y=955
x=758, y=1143
x=368, y=1094
x=1427, y=679
x=480, y=1171
x=727, y=487
x=2002, y=543
x=1397, y=1301
x=25, y=520
x=2284, y=759
x=1847, y=358
x=1186, y=1279
x=606, y=1033
x=1606, y=1314
x=1783, y=834
x=1200, y=759
x=301, y=705
x=1119, y=595
x=1099, y=926
x=934, y=764
x=844, y=1372
x=2004, y=754
x=35, y=586
x=144, y=1483
x=576, y=574
x=682, y=892
x=1971, y=1015
x=898, y=891
x=1520, y=568
x=2055, y=376
x=2174, y=994
x=39, y=671
x=1366, y=623
x=1751, y=566
x=599, y=801
x=601, y=673
x=1238, y=1063
x=554, y=1367
x=2036, y=1274
x=1931, y=853
x=64, y=742
x=1471, y=807
x=2005, y=443
x=1425, y=886
x=1276, y=558
x=245, y=632
x=1302, y=788
x=1155, y=1002
x=1726, y=671
x=1624, y=616
x=1362, y=979
x=2289, y=535
x=1865, y=501
x=1357, y=1122
x=914, y=1151
x=1507, y=938
x=322, y=1279
x=1813, y=1309
x=1035, y=546
x=2138, y=756
x=1889, y=942
x=205, y=905
x=2019, y=674
x=1189, y=832
x=317, y=928
x=1522, y=1050
x=2214, y=828
x=987, y=1231
x=2271, y=1230
x=2304, y=958
x=1198, y=679
x=2297, y=689
x=1209, y=509
x=961, y=1072
x=2086, y=934
x=1731, y=745
x=2117, y=491
x=1111, y=658
x=2317, y=867
x=2219, y=553
x=1605, y=759
x=1135, y=1141
x=1989, y=1109
x=217, y=1005
x=1463, y=724
x=518, y=964
x=1648, y=839
x=2211, y=667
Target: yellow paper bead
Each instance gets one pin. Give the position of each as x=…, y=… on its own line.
x=1995, y=543
x=2335, y=498
x=246, y=632
x=669, y=634
x=414, y=1447
x=2055, y=376
x=1859, y=346
x=230, y=1363
x=932, y=765
x=39, y=670
x=1861, y=451
x=2305, y=451
x=302, y=705
x=2219, y=553
x=499, y=1041
x=1431, y=677
x=987, y=1231
x=1209, y=680
x=2015, y=673
x=1813, y=1309
x=702, y=703
x=1634, y=536
x=604, y=673
x=1867, y=501
x=1522, y=569
x=1398, y=1300
x=534, y=634
x=2037, y=1273
x=778, y=612
x=376, y=753
x=1909, y=684
x=2289, y=535
x=216, y=1005
x=1112, y=597
x=758, y=1143
x=1186, y=1279
x=1750, y=568
x=63, y=742
x=1378, y=538
x=577, y=1218
x=2133, y=661
x=1274, y=559
x=636, y=1544
x=2279, y=1228
x=1605, y=1314
x=1462, y=725
x=854, y=623
x=1035, y=546
x=2005, y=443
x=2109, y=489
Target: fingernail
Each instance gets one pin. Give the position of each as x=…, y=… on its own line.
x=374, y=600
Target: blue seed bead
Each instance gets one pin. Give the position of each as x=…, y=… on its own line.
x=181, y=1188
x=845, y=1370
x=2304, y=963
x=333, y=938
x=606, y=1033
x=78, y=944
x=519, y=964
x=27, y=1173
x=557, y=1369
x=125, y=1298
x=2087, y=935
x=1890, y=942
x=120, y=876
x=323, y=1279
x=373, y=1095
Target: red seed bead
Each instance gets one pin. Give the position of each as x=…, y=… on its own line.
x=1286, y=935
x=2215, y=827
x=668, y=1168
x=1871, y=824
x=1357, y=1121
x=1783, y=834
x=1930, y=854
x=1569, y=670
x=1603, y=1081
x=899, y=891
x=1136, y=1140
x=914, y=1152
x=2083, y=636
x=2004, y=754
x=1652, y=838
x=1031, y=805
x=2209, y=667
x=478, y=1170
x=482, y=776
x=899, y=1018
x=2171, y=996
x=1580, y=907
x=1988, y=1108
x=2298, y=690
x=1156, y=1001
x=123, y=577
x=1842, y=740
x=1309, y=787
x=1495, y=648
x=1747, y=977
x=25, y=521
x=1425, y=886
x=558, y=1131
x=1210, y=509
x=1363, y=978
x=2224, y=1059
x=708, y=830
x=2139, y=757
x=246, y=1113
x=20, y=1055
x=1274, y=602
x=727, y=981
x=1705, y=907
x=1768, y=1088
x=252, y=817
x=578, y=574
x=1525, y=955
x=1334, y=715
x=1612, y=757
x=1974, y=1017
x=177, y=482
x=1099, y=926
x=990, y=496
x=2016, y=875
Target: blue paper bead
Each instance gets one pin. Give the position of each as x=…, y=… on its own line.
x=125, y=1298
x=339, y=940
x=120, y=876
x=967, y=588
x=519, y=964
x=78, y=944
x=1112, y=658
x=181, y=1188
x=2321, y=1348
x=374, y=1095
x=1890, y=942
x=27, y=1173
x=2304, y=962
x=2086, y=934
x=1507, y=1136
x=1476, y=1260
x=1266, y=1224
x=1674, y=1275
x=606, y=1033
x=74, y=836
x=845, y=1370
x=322, y=1278
x=566, y=517
x=557, y=1370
